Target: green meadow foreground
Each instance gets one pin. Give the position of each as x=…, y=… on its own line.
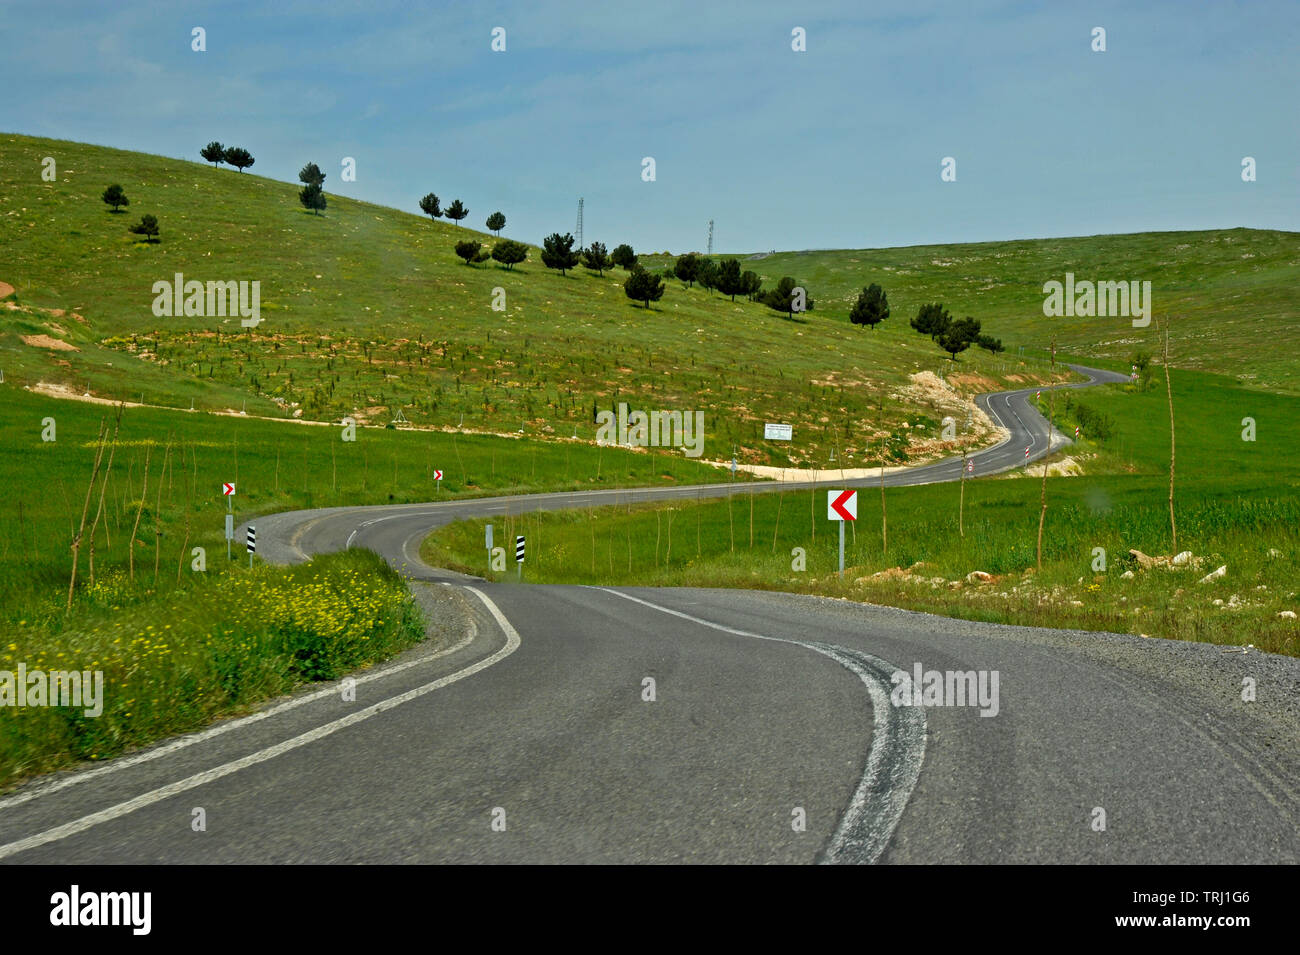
x=1237, y=506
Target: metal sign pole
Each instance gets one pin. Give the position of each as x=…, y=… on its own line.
x=841, y=549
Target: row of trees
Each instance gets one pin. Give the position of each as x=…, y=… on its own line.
x=953, y=336
x=641, y=285
x=236, y=156
x=558, y=253
x=506, y=251
x=431, y=206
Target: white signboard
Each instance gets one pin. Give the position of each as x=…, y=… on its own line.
x=778, y=432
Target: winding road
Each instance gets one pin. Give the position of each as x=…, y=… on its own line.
x=624, y=724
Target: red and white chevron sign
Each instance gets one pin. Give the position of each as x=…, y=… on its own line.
x=842, y=505
x=437, y=475
x=1076, y=430
x=1026, y=452
x=227, y=489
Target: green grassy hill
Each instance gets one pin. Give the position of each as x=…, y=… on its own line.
x=367, y=310
x=1226, y=293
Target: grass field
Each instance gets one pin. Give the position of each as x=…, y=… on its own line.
x=1237, y=504
x=1225, y=293
x=275, y=466
x=211, y=647
x=367, y=310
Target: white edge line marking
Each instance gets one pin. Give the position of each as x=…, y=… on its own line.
x=226, y=769
x=892, y=731
x=126, y=762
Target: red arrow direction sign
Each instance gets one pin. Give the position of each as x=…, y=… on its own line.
x=842, y=505
x=437, y=475
x=227, y=489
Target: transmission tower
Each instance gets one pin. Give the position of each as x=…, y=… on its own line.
x=580, y=245
x=710, y=237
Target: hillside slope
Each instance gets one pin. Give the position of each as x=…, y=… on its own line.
x=367, y=310
x=1228, y=294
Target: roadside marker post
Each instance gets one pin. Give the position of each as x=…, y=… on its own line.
x=842, y=506
x=519, y=555
x=252, y=545
x=967, y=467
x=488, y=542
x=229, y=491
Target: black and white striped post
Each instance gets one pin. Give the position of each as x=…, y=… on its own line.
x=252, y=544
x=519, y=555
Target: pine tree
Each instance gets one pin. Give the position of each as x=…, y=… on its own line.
x=786, y=297
x=643, y=286
x=147, y=227
x=687, y=268
x=239, y=157
x=468, y=250
x=115, y=197
x=456, y=211
x=214, y=153
x=429, y=206
x=729, y=279
x=596, y=258
x=509, y=253
x=557, y=252
x=872, y=307
x=623, y=256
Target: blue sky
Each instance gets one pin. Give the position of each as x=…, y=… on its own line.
x=836, y=147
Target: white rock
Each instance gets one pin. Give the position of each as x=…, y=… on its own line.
x=1184, y=558
x=1127, y=575
x=1288, y=614
x=1214, y=574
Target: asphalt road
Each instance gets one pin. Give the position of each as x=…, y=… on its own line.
x=525, y=731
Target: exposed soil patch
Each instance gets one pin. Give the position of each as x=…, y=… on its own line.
x=45, y=341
